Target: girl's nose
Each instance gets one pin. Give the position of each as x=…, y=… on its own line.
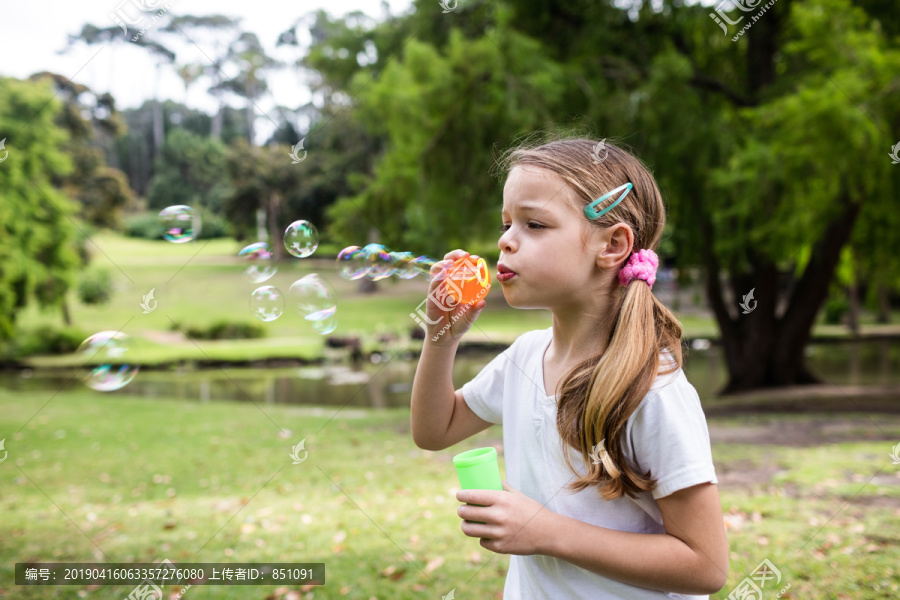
x=506, y=241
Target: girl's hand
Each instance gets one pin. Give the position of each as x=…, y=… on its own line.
x=513, y=522
x=447, y=319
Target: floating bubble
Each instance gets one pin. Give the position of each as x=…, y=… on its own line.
x=301, y=238
x=266, y=303
x=106, y=366
x=259, y=259
x=403, y=265
x=177, y=223
x=315, y=299
x=380, y=263
x=353, y=263
x=423, y=264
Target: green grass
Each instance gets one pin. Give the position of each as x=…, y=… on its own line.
x=147, y=479
x=201, y=282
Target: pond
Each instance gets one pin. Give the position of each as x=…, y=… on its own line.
x=387, y=384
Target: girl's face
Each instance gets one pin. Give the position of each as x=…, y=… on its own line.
x=546, y=242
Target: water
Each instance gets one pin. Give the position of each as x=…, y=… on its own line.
x=380, y=385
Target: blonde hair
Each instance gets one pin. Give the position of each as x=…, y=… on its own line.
x=597, y=396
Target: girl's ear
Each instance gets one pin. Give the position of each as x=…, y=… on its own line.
x=615, y=246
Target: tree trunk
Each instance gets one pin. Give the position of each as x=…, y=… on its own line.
x=67, y=317
x=884, y=305
x=276, y=238
x=761, y=348
x=217, y=120
x=853, y=310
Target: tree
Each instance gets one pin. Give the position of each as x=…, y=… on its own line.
x=101, y=191
x=38, y=236
x=190, y=170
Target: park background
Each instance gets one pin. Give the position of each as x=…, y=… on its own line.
x=777, y=157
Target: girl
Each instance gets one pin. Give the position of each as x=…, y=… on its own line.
x=611, y=490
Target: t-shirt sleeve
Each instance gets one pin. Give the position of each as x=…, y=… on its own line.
x=484, y=393
x=670, y=438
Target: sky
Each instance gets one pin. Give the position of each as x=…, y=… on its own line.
x=34, y=33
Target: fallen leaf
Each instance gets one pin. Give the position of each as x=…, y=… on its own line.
x=434, y=563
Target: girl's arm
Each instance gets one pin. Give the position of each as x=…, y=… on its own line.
x=438, y=416
x=690, y=558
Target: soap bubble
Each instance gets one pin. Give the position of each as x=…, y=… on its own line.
x=403, y=265
x=301, y=238
x=177, y=223
x=315, y=299
x=259, y=259
x=379, y=259
x=423, y=264
x=106, y=365
x=352, y=263
x=266, y=303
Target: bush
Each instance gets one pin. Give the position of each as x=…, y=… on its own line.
x=835, y=308
x=47, y=340
x=95, y=287
x=223, y=330
x=147, y=226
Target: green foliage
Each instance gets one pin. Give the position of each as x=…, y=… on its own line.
x=440, y=110
x=38, y=249
x=95, y=286
x=222, y=330
x=147, y=226
x=190, y=170
x=45, y=339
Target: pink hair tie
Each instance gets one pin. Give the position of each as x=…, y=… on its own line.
x=641, y=265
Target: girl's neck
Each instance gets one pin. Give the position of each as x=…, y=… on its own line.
x=577, y=336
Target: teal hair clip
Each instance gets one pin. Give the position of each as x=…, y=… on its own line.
x=593, y=214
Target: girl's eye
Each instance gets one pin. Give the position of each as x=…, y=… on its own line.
x=531, y=224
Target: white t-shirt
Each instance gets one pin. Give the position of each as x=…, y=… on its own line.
x=666, y=434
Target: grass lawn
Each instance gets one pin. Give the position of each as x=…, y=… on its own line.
x=96, y=477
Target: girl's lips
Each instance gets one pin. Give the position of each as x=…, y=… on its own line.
x=501, y=277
